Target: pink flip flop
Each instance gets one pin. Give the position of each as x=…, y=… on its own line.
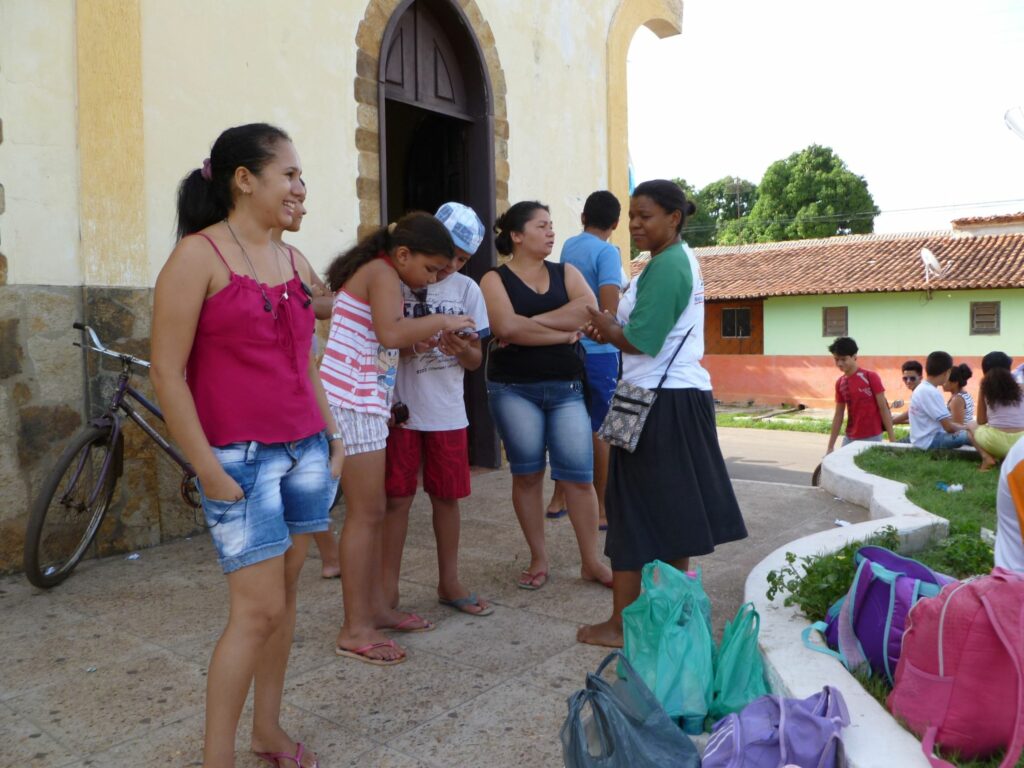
x=360, y=654
x=530, y=578
x=276, y=757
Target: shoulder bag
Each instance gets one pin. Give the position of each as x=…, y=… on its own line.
x=631, y=404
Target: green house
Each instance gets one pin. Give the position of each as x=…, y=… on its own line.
x=773, y=308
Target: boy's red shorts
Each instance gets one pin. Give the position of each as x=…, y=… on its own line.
x=443, y=455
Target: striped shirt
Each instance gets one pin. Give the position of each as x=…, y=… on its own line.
x=357, y=372
x=968, y=406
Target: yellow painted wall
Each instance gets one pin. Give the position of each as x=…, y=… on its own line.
x=554, y=61
x=210, y=65
x=664, y=18
x=186, y=69
x=111, y=143
x=38, y=156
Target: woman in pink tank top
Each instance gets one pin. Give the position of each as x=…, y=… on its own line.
x=232, y=335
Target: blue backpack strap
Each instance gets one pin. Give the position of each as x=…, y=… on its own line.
x=849, y=644
x=820, y=626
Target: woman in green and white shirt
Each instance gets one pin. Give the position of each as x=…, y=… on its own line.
x=671, y=499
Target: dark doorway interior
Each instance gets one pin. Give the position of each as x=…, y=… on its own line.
x=437, y=144
x=427, y=159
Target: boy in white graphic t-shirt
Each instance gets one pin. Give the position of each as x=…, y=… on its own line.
x=931, y=424
x=434, y=438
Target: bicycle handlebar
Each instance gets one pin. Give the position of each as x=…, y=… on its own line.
x=99, y=346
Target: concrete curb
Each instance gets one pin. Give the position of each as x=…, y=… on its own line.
x=873, y=739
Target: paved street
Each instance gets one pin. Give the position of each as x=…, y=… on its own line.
x=108, y=669
x=761, y=454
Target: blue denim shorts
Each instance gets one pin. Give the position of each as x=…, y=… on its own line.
x=948, y=441
x=602, y=376
x=288, y=490
x=544, y=417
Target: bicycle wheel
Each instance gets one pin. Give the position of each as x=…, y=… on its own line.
x=69, y=509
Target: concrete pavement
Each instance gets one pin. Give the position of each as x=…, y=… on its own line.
x=108, y=669
x=760, y=454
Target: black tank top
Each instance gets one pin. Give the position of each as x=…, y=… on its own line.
x=517, y=364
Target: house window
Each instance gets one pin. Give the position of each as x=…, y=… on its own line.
x=736, y=323
x=834, y=322
x=984, y=317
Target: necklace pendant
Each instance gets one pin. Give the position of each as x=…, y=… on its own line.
x=285, y=294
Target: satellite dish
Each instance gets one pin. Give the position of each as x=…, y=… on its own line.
x=931, y=264
x=1015, y=120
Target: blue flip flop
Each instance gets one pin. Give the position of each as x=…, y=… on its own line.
x=556, y=514
x=460, y=604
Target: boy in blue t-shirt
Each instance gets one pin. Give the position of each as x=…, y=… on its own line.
x=599, y=262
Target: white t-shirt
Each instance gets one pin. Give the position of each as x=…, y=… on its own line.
x=431, y=383
x=687, y=372
x=1009, y=549
x=927, y=409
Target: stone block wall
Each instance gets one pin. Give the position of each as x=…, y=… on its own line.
x=49, y=389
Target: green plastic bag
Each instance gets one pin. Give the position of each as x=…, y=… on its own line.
x=739, y=670
x=668, y=640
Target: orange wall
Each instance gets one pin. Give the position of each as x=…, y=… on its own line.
x=775, y=379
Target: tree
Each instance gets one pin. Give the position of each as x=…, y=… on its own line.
x=809, y=194
x=722, y=202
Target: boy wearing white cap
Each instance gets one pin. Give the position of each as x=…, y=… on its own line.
x=434, y=436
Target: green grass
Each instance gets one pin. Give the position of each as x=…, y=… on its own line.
x=966, y=511
x=963, y=553
x=787, y=422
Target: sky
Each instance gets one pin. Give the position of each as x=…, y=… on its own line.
x=911, y=94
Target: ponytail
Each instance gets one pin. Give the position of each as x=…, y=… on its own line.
x=669, y=196
x=418, y=231
x=363, y=252
x=207, y=194
x=514, y=220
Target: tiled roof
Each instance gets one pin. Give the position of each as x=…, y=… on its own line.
x=859, y=264
x=1002, y=218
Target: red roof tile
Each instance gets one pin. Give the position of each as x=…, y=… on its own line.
x=1001, y=218
x=860, y=264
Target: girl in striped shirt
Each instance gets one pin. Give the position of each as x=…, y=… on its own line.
x=368, y=327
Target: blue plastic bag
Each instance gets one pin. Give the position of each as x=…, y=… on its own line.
x=621, y=725
x=668, y=640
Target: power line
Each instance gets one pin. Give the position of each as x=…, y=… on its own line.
x=856, y=215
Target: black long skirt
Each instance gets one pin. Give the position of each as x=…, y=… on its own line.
x=672, y=497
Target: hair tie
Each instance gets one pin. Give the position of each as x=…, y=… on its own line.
x=206, y=171
x=392, y=227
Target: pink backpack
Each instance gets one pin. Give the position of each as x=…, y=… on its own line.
x=960, y=678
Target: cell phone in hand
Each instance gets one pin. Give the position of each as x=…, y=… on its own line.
x=465, y=332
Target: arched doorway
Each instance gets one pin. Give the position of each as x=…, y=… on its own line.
x=437, y=144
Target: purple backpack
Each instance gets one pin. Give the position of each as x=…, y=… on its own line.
x=772, y=731
x=866, y=625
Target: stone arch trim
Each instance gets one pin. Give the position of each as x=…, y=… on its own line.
x=369, y=37
x=665, y=19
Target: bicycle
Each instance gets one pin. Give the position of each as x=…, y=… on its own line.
x=69, y=509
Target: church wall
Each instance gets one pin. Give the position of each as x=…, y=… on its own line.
x=95, y=138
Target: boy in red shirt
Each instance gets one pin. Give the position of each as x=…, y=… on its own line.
x=863, y=392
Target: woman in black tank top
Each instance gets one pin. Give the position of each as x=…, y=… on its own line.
x=534, y=384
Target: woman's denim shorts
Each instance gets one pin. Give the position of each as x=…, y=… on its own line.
x=544, y=416
x=288, y=490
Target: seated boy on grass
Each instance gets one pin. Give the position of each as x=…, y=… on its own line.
x=862, y=392
x=931, y=426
